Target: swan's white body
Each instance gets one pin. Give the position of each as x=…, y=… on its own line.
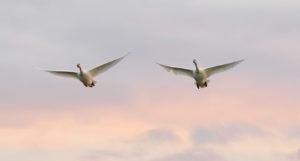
x=200, y=75
x=87, y=77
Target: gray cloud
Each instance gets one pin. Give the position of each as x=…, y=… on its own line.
x=225, y=134
x=141, y=146
x=102, y=155
x=190, y=155
x=161, y=135
x=293, y=132
x=293, y=157
x=194, y=155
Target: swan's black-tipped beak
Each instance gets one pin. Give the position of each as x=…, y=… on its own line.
x=195, y=61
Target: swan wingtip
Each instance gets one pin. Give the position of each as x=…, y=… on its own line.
x=159, y=64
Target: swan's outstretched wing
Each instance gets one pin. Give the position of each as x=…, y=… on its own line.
x=220, y=68
x=64, y=74
x=180, y=71
x=104, y=67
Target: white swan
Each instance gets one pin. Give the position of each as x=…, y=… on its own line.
x=87, y=78
x=200, y=75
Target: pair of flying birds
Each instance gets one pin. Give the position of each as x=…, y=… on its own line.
x=199, y=75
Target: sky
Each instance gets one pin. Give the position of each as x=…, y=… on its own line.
x=137, y=111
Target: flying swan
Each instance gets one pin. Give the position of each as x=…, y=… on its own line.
x=200, y=75
x=87, y=77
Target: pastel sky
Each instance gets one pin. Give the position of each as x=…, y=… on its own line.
x=138, y=111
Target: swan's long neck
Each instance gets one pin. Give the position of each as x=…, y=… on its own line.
x=80, y=69
x=197, y=68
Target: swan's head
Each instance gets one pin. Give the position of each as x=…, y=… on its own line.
x=78, y=66
x=195, y=61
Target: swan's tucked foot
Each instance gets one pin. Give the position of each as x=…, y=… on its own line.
x=197, y=85
x=92, y=84
x=205, y=84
